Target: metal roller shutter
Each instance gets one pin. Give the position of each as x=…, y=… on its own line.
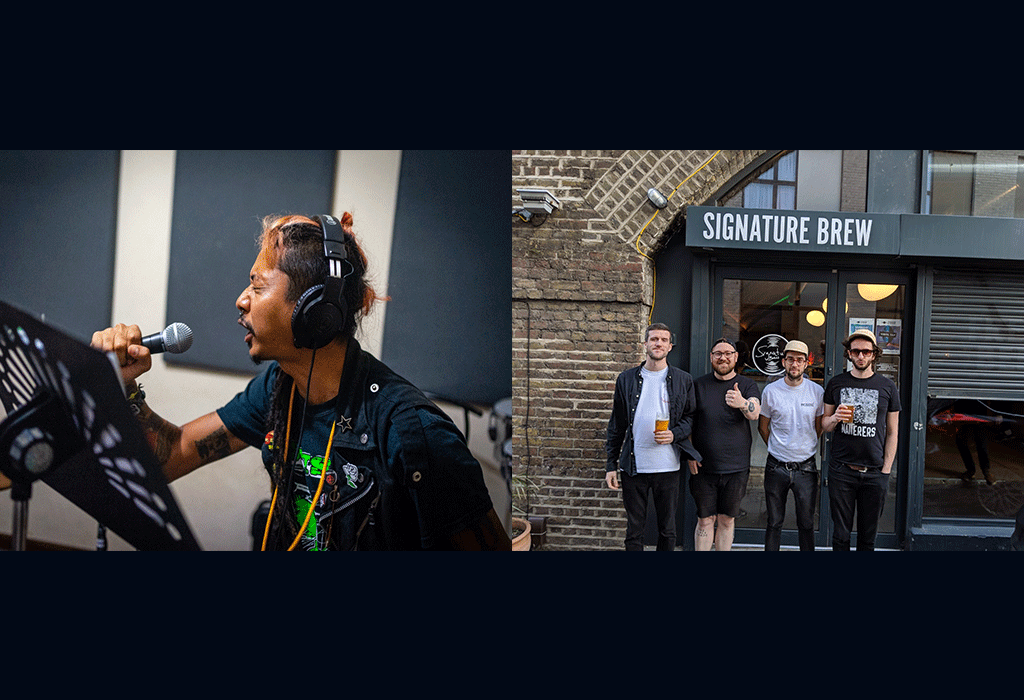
x=977, y=335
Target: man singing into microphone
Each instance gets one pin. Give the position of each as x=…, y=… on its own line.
x=358, y=457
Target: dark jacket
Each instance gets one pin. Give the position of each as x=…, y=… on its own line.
x=682, y=406
x=402, y=447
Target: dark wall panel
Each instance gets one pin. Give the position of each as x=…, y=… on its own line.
x=219, y=199
x=57, y=236
x=448, y=327
x=894, y=182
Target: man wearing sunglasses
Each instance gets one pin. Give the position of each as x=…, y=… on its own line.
x=862, y=410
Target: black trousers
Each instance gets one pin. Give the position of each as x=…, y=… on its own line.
x=778, y=482
x=664, y=489
x=852, y=492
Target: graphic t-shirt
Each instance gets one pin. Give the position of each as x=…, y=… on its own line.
x=862, y=443
x=343, y=481
x=722, y=434
x=791, y=412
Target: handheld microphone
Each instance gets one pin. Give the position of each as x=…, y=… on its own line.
x=177, y=337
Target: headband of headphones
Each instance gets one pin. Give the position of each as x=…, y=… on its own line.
x=320, y=312
x=337, y=257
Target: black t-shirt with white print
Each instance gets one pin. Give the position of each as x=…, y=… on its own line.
x=862, y=443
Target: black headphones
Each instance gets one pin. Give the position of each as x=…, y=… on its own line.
x=321, y=310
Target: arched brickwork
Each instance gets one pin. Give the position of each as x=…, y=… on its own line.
x=582, y=287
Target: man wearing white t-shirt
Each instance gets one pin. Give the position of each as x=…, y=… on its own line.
x=790, y=424
x=645, y=455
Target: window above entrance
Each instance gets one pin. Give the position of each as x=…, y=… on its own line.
x=940, y=182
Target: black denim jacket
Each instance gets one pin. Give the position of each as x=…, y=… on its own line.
x=406, y=450
x=682, y=406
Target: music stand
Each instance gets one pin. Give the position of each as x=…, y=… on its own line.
x=68, y=425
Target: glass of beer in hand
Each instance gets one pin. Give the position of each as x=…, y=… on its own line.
x=660, y=423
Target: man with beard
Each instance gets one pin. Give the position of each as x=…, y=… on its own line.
x=790, y=425
x=726, y=402
x=645, y=453
x=867, y=407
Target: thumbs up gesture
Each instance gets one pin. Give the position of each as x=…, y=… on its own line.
x=733, y=397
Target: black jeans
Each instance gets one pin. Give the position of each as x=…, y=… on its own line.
x=664, y=488
x=779, y=479
x=850, y=491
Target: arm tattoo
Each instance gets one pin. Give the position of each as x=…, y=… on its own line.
x=214, y=446
x=750, y=406
x=160, y=434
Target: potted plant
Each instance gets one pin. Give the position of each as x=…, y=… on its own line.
x=521, y=541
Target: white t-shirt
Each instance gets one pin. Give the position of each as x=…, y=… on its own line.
x=650, y=456
x=791, y=412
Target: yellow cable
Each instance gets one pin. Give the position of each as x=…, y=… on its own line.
x=319, y=488
x=654, y=273
x=287, y=439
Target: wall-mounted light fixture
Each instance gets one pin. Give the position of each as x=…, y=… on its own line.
x=656, y=198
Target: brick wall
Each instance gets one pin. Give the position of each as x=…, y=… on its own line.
x=581, y=293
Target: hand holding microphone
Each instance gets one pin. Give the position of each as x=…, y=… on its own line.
x=133, y=352
x=176, y=338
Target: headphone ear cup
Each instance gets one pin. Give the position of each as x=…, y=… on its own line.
x=315, y=321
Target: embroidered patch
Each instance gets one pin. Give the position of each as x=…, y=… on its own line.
x=269, y=440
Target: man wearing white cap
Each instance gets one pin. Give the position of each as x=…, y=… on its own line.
x=867, y=406
x=790, y=424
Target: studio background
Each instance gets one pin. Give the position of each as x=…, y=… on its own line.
x=92, y=238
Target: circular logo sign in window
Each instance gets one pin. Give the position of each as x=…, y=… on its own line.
x=767, y=354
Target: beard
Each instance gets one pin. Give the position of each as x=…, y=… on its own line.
x=724, y=368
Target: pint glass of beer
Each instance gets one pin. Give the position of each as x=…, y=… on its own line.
x=660, y=423
x=852, y=408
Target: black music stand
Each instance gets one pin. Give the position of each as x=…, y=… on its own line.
x=68, y=425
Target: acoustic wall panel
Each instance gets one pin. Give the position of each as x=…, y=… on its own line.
x=448, y=327
x=220, y=197
x=57, y=236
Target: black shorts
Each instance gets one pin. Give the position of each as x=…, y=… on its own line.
x=718, y=494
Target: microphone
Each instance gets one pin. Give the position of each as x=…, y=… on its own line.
x=177, y=337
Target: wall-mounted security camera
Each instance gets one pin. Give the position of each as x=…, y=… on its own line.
x=537, y=201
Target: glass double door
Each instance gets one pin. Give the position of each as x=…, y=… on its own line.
x=762, y=310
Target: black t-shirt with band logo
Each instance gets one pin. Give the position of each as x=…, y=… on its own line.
x=862, y=443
